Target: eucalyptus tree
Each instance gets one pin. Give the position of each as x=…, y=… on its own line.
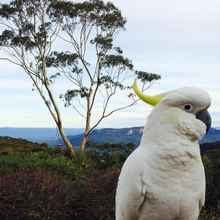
x=26, y=40
x=93, y=63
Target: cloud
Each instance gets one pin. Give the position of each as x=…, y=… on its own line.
x=178, y=39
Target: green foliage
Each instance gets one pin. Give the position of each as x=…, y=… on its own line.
x=61, y=59
x=83, y=92
x=59, y=165
x=22, y=15
x=109, y=155
x=95, y=12
x=209, y=215
x=149, y=77
x=93, y=64
x=111, y=60
x=103, y=42
x=10, y=145
x=211, y=164
x=55, y=161
x=92, y=24
x=27, y=37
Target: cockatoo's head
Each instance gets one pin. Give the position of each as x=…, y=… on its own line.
x=184, y=108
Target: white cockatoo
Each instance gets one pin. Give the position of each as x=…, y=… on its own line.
x=164, y=179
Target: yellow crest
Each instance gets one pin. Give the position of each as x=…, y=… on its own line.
x=152, y=100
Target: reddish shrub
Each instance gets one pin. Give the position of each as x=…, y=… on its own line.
x=39, y=195
x=96, y=196
x=33, y=195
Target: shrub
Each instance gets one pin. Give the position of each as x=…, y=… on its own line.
x=95, y=196
x=34, y=195
x=109, y=155
x=211, y=164
x=40, y=195
x=9, y=145
x=47, y=185
x=41, y=160
x=209, y=214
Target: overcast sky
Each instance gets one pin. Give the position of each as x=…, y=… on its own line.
x=178, y=39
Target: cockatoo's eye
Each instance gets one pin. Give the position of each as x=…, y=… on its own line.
x=188, y=107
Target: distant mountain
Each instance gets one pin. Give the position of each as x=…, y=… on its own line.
x=209, y=146
x=130, y=135
x=99, y=136
x=39, y=135
x=212, y=136
x=111, y=135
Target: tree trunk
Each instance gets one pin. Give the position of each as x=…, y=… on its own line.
x=87, y=126
x=83, y=143
x=86, y=134
x=56, y=117
x=70, y=150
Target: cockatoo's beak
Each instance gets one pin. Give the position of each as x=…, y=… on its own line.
x=205, y=117
x=152, y=100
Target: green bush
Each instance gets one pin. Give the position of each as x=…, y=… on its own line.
x=109, y=155
x=41, y=160
x=9, y=145
x=209, y=214
x=212, y=171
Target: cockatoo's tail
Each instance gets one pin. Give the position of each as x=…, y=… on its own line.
x=152, y=100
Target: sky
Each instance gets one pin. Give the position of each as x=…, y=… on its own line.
x=178, y=39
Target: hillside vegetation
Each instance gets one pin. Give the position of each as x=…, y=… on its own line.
x=38, y=182
x=9, y=145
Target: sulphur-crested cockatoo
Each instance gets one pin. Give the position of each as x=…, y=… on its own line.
x=163, y=179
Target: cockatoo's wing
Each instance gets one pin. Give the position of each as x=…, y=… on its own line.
x=143, y=194
x=131, y=191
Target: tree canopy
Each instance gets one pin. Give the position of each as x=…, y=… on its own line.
x=91, y=59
